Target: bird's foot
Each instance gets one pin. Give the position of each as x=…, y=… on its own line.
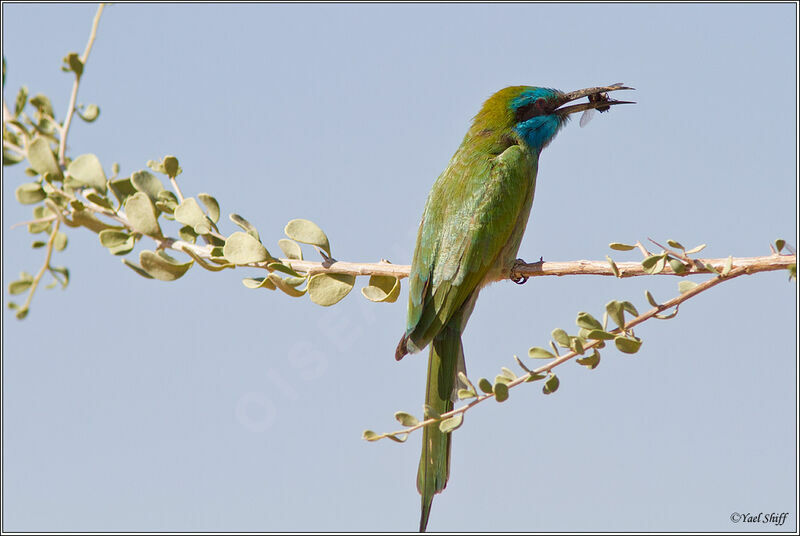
x=518, y=279
x=519, y=263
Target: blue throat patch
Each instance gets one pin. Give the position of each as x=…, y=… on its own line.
x=537, y=131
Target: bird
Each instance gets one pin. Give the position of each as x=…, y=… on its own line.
x=469, y=236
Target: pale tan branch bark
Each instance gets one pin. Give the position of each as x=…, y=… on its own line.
x=582, y=267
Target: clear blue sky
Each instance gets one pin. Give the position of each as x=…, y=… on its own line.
x=137, y=405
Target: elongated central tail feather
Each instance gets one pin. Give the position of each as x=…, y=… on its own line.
x=445, y=359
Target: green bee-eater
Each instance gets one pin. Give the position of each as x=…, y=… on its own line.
x=470, y=232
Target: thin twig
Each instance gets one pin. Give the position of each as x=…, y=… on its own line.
x=177, y=189
x=62, y=146
x=40, y=220
x=45, y=266
x=675, y=302
x=16, y=148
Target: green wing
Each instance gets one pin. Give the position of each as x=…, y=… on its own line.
x=476, y=213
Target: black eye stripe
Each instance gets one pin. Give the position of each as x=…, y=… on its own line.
x=532, y=109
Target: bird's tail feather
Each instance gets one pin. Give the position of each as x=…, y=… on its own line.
x=445, y=359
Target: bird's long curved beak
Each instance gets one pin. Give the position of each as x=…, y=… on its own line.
x=590, y=92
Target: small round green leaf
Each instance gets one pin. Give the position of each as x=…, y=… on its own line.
x=629, y=307
x=540, y=353
x=163, y=267
x=628, y=345
x=290, y=248
x=677, y=266
x=136, y=268
x=122, y=189
x=87, y=170
x=64, y=272
x=551, y=384
x=466, y=393
x=117, y=242
x=696, y=249
x=212, y=206
x=19, y=286
x=171, y=167
x=190, y=213
x=654, y=264
x=187, y=234
x=11, y=157
x=45, y=126
x=328, y=289
x=585, y=320
x=285, y=287
x=258, y=282
x=369, y=435
x=42, y=158
x=308, y=232
x=406, y=419
x=142, y=214
x=561, y=337
x=651, y=299
x=111, y=238
x=500, y=392
x=60, y=241
x=146, y=182
x=21, y=100
x=591, y=361
x=29, y=193
x=508, y=373
x=674, y=244
x=99, y=200
x=72, y=62
x=485, y=386
x=42, y=104
x=616, y=312
x=686, y=286
x=382, y=288
x=500, y=378
x=599, y=334
x=450, y=424
x=242, y=248
x=90, y=113
x=620, y=247
x=244, y=224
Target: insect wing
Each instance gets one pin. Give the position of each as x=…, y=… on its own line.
x=586, y=116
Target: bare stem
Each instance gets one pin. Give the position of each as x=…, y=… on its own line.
x=581, y=267
x=45, y=266
x=16, y=148
x=62, y=146
x=40, y=220
x=177, y=189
